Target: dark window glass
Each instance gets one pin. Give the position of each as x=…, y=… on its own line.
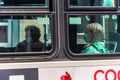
x=25, y=34
x=110, y=38
x=119, y=2
x=24, y=2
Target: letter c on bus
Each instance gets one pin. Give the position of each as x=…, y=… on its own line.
x=119, y=75
x=98, y=71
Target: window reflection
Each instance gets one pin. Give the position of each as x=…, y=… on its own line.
x=104, y=3
x=111, y=32
x=13, y=31
x=3, y=33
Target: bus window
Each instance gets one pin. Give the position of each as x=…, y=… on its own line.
x=92, y=4
x=119, y=3
x=109, y=3
x=111, y=32
x=26, y=34
x=24, y=2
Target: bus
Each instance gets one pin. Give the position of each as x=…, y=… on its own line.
x=60, y=26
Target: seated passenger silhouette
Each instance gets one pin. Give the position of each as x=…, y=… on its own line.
x=31, y=43
x=94, y=36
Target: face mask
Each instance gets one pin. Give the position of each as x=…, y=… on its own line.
x=86, y=38
x=28, y=39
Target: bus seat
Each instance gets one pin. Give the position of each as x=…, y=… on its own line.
x=111, y=45
x=112, y=36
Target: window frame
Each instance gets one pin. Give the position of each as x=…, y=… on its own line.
x=74, y=56
x=45, y=55
x=51, y=9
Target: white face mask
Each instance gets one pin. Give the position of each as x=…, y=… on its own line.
x=28, y=39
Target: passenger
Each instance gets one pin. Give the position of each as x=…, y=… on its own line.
x=94, y=36
x=31, y=43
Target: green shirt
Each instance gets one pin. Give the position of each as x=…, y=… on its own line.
x=96, y=47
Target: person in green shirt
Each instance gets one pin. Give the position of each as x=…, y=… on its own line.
x=94, y=36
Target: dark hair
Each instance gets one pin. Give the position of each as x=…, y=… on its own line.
x=35, y=32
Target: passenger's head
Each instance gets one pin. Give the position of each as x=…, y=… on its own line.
x=32, y=32
x=94, y=32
